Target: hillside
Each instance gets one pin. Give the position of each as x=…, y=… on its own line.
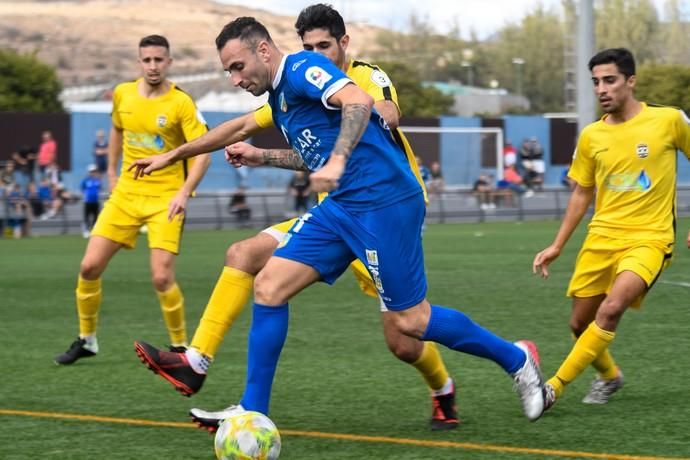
x=94, y=41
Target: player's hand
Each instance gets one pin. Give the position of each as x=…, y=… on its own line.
x=178, y=205
x=243, y=154
x=326, y=179
x=146, y=166
x=541, y=262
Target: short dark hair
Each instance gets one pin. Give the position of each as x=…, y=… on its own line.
x=154, y=40
x=622, y=57
x=320, y=16
x=247, y=29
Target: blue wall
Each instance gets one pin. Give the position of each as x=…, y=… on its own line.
x=220, y=175
x=458, y=169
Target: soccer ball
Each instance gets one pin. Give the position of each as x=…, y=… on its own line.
x=247, y=436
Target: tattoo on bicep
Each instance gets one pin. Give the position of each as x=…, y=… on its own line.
x=285, y=159
x=354, y=121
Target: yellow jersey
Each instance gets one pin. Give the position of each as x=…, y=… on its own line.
x=633, y=167
x=376, y=83
x=153, y=126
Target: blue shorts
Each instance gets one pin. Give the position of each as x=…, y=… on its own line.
x=387, y=241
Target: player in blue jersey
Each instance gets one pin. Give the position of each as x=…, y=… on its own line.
x=328, y=122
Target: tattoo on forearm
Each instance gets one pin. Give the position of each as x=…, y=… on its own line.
x=352, y=126
x=285, y=159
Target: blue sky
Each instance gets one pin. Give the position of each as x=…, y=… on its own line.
x=483, y=16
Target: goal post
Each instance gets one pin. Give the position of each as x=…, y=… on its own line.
x=464, y=152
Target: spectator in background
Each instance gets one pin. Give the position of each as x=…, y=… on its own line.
x=513, y=181
x=45, y=194
x=100, y=152
x=239, y=207
x=47, y=152
x=17, y=211
x=509, y=154
x=436, y=184
x=57, y=205
x=532, y=162
x=424, y=172
x=91, y=188
x=483, y=190
x=25, y=159
x=8, y=177
x=35, y=201
x=53, y=173
x=299, y=187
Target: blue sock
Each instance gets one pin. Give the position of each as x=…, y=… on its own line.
x=458, y=332
x=266, y=338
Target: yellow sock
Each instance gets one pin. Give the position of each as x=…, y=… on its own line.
x=228, y=299
x=604, y=364
x=172, y=306
x=432, y=367
x=89, y=297
x=591, y=344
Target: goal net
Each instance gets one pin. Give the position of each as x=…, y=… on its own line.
x=463, y=152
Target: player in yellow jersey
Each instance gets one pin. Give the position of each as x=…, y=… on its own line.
x=321, y=29
x=150, y=115
x=629, y=158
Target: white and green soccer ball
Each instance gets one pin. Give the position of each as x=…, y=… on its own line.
x=247, y=436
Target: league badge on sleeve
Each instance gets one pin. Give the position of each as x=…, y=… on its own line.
x=317, y=76
x=380, y=78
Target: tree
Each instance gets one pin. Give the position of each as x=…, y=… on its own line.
x=27, y=85
x=665, y=84
x=415, y=99
x=632, y=24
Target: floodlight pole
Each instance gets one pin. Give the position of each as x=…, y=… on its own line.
x=585, y=49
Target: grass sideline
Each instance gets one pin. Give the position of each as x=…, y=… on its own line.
x=339, y=394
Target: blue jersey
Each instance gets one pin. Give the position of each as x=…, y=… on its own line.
x=377, y=173
x=91, y=187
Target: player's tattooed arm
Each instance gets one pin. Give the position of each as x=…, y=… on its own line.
x=354, y=121
x=284, y=158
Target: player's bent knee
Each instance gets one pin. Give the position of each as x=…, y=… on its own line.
x=90, y=270
x=162, y=281
x=267, y=292
x=249, y=255
x=578, y=326
x=407, y=349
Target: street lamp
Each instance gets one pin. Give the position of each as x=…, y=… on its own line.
x=467, y=56
x=518, y=63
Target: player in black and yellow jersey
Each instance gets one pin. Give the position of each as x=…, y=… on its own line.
x=150, y=115
x=321, y=29
x=629, y=158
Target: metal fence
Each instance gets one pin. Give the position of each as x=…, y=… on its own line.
x=457, y=205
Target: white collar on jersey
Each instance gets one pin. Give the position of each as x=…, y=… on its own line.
x=279, y=73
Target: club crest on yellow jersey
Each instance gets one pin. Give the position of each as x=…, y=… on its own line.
x=161, y=120
x=642, y=150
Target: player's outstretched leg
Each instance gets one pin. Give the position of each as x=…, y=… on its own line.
x=173, y=366
x=458, y=332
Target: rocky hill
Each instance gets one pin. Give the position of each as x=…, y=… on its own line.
x=94, y=41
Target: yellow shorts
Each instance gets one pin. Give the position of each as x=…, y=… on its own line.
x=602, y=258
x=366, y=284
x=124, y=214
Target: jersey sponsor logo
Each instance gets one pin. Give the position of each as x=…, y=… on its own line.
x=296, y=65
x=200, y=117
x=628, y=182
x=144, y=140
x=317, y=76
x=380, y=78
x=161, y=120
x=642, y=150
